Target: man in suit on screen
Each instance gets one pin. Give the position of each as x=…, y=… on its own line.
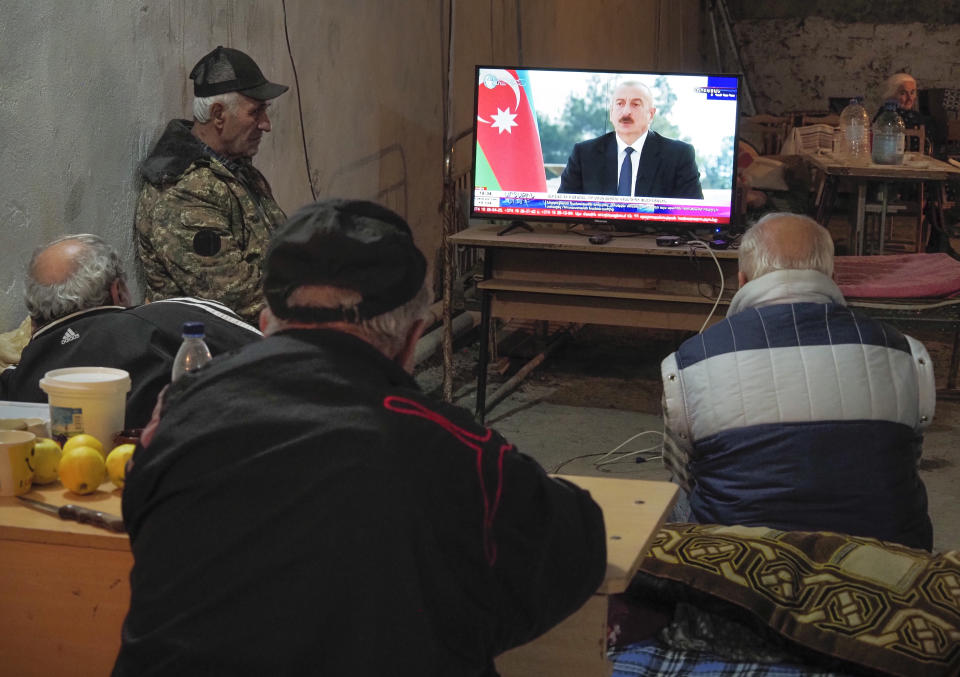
x=632, y=160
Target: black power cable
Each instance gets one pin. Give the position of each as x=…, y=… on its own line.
x=296, y=81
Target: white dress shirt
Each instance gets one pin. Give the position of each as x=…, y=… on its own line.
x=634, y=158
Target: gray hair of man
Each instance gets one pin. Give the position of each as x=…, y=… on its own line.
x=203, y=104
x=95, y=268
x=784, y=241
x=647, y=93
x=387, y=331
x=892, y=84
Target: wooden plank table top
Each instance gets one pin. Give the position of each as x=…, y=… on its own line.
x=633, y=512
x=66, y=583
x=22, y=523
x=915, y=168
x=548, y=236
x=65, y=586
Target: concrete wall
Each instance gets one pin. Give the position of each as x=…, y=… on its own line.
x=86, y=89
x=88, y=86
x=797, y=62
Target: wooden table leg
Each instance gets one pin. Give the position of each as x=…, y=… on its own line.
x=823, y=201
x=859, y=226
x=954, y=360
x=574, y=648
x=884, y=190
x=484, y=356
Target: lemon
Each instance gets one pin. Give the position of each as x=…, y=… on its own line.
x=46, y=459
x=82, y=469
x=117, y=463
x=83, y=440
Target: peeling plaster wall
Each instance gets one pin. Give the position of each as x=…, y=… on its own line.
x=797, y=64
x=88, y=87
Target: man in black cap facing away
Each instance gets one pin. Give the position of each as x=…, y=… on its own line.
x=205, y=214
x=299, y=507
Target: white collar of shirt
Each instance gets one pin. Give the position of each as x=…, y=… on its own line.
x=634, y=157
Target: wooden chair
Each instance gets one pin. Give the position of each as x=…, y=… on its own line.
x=905, y=231
x=766, y=133
x=795, y=117
x=916, y=138
x=831, y=119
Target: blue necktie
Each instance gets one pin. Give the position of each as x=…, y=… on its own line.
x=626, y=173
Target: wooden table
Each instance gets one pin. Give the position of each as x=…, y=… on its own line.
x=921, y=169
x=64, y=587
x=557, y=275
x=633, y=511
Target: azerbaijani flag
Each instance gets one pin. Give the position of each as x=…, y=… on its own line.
x=509, y=156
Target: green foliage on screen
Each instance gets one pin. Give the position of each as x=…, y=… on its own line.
x=588, y=116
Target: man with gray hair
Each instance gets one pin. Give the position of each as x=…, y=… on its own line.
x=78, y=301
x=794, y=412
x=205, y=214
x=329, y=510
x=632, y=160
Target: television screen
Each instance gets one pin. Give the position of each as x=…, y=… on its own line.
x=644, y=151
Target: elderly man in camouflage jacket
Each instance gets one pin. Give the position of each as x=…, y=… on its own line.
x=205, y=214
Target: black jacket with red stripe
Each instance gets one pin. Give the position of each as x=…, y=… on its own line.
x=304, y=509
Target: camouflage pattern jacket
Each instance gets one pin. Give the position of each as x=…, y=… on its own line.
x=203, y=229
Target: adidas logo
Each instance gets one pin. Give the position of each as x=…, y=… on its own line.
x=69, y=335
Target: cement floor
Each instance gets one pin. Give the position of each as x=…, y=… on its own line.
x=578, y=411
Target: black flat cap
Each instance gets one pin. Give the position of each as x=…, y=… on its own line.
x=351, y=244
x=230, y=70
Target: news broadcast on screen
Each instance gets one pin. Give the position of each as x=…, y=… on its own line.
x=546, y=147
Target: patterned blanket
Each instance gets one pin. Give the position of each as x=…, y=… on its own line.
x=879, y=607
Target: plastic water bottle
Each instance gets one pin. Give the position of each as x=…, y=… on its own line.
x=855, y=127
x=888, y=136
x=193, y=352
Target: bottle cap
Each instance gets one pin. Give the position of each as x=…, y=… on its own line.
x=192, y=329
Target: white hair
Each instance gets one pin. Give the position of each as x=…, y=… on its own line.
x=387, y=331
x=892, y=84
x=202, y=104
x=761, y=253
x=94, y=269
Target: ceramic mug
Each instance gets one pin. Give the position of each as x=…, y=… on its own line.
x=16, y=459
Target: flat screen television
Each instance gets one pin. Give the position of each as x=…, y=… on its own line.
x=545, y=148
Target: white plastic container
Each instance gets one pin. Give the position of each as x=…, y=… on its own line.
x=855, y=131
x=888, y=138
x=90, y=400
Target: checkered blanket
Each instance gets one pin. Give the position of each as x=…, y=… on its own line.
x=652, y=658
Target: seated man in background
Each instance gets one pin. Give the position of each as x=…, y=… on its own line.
x=332, y=513
x=77, y=298
x=795, y=413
